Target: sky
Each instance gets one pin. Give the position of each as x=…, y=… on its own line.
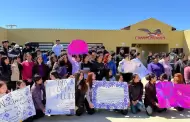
x=92, y=14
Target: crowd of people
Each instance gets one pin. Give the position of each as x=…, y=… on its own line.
x=20, y=68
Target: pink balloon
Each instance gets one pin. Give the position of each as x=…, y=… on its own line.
x=77, y=47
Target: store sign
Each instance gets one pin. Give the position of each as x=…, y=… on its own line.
x=156, y=35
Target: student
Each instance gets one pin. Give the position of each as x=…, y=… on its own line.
x=98, y=68
x=86, y=66
x=88, y=101
x=60, y=68
x=40, y=68
x=151, y=101
x=110, y=64
x=75, y=61
x=166, y=64
x=119, y=77
x=155, y=67
x=5, y=71
x=80, y=92
x=51, y=62
x=187, y=73
x=178, y=79
x=3, y=89
x=54, y=75
x=67, y=64
x=38, y=95
x=27, y=69
x=109, y=76
x=20, y=84
x=135, y=94
x=164, y=78
x=16, y=68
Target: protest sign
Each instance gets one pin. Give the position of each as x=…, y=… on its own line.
x=77, y=47
x=103, y=97
x=126, y=66
x=141, y=70
x=173, y=95
x=17, y=106
x=23, y=100
x=60, y=97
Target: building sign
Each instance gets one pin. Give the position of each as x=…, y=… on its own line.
x=156, y=35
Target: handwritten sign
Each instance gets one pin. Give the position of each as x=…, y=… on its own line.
x=17, y=106
x=77, y=47
x=173, y=95
x=60, y=97
x=103, y=97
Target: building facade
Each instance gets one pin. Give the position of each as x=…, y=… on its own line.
x=148, y=35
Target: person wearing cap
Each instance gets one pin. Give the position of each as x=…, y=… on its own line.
x=5, y=46
x=57, y=48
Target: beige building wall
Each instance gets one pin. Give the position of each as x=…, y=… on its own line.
x=187, y=41
x=3, y=34
x=110, y=38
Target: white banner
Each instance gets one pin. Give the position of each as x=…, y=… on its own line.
x=60, y=97
x=17, y=106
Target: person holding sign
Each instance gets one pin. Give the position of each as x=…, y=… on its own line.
x=151, y=101
x=38, y=95
x=88, y=101
x=86, y=66
x=135, y=94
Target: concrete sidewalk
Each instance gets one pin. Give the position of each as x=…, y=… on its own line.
x=110, y=116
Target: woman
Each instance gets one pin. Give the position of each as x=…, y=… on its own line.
x=86, y=66
x=166, y=64
x=98, y=68
x=119, y=77
x=16, y=69
x=67, y=64
x=110, y=64
x=178, y=79
x=40, y=68
x=109, y=76
x=6, y=72
x=187, y=73
x=75, y=61
x=60, y=68
x=3, y=89
x=50, y=63
x=88, y=101
x=54, y=75
x=80, y=92
x=164, y=78
x=135, y=94
x=155, y=67
x=151, y=101
x=27, y=69
x=38, y=96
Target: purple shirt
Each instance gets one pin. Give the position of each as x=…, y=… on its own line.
x=156, y=68
x=41, y=71
x=75, y=65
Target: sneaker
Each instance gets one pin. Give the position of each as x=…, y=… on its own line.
x=149, y=110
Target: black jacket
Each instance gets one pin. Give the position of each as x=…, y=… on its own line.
x=135, y=91
x=5, y=73
x=79, y=96
x=98, y=69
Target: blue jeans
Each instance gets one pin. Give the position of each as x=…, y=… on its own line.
x=137, y=107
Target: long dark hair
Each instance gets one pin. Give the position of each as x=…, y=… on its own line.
x=4, y=66
x=150, y=76
x=89, y=79
x=55, y=74
x=82, y=82
x=51, y=59
x=83, y=57
x=36, y=61
x=107, y=76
